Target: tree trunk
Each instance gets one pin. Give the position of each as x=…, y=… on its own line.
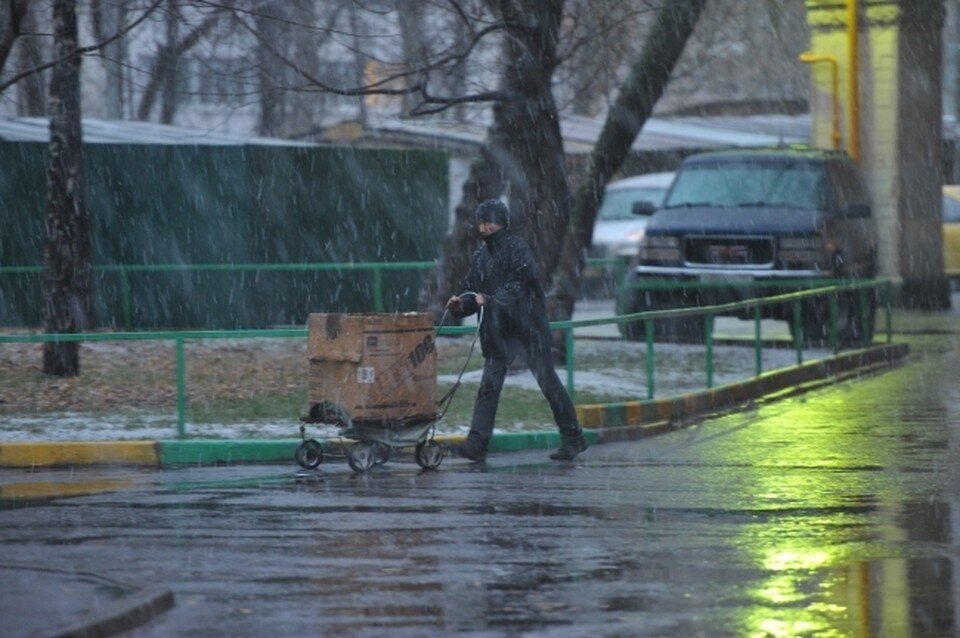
x=108, y=18
x=31, y=93
x=523, y=153
x=270, y=71
x=921, y=156
x=11, y=23
x=66, y=249
x=164, y=71
x=170, y=70
x=644, y=85
x=414, y=36
x=530, y=131
x=31, y=90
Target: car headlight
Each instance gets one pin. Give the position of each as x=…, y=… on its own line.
x=660, y=249
x=631, y=244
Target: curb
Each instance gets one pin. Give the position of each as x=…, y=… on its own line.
x=724, y=398
x=602, y=423
x=56, y=454
x=115, y=606
x=126, y=615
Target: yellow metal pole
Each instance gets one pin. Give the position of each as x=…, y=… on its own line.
x=813, y=58
x=853, y=48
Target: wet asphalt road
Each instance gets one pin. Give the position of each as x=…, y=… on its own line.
x=835, y=513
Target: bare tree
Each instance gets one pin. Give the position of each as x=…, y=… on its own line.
x=648, y=78
x=12, y=15
x=523, y=155
x=272, y=96
x=106, y=18
x=414, y=36
x=602, y=34
x=32, y=71
x=170, y=53
x=66, y=250
x=920, y=156
x=30, y=53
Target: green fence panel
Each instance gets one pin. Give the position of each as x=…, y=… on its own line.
x=158, y=204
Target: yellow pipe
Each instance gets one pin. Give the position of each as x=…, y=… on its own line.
x=813, y=58
x=853, y=48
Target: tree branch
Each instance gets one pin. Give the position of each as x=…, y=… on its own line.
x=166, y=56
x=81, y=50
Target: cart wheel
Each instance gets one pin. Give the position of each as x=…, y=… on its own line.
x=429, y=455
x=360, y=457
x=309, y=454
x=381, y=453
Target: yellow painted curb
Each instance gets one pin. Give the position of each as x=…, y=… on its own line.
x=690, y=404
x=78, y=453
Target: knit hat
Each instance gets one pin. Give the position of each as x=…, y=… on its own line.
x=493, y=210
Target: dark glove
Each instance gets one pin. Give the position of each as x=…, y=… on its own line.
x=468, y=304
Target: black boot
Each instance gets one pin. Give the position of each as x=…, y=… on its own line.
x=471, y=449
x=570, y=448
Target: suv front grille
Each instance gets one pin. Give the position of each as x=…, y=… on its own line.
x=728, y=250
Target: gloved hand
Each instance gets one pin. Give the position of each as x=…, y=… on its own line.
x=466, y=304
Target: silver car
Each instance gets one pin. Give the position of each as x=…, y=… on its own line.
x=620, y=221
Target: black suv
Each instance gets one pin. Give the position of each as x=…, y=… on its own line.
x=755, y=222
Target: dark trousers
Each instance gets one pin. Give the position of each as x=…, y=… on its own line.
x=488, y=397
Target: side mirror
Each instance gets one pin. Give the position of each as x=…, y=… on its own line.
x=643, y=207
x=856, y=210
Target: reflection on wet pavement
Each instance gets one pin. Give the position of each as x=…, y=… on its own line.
x=834, y=513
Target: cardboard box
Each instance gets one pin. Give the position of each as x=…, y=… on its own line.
x=374, y=366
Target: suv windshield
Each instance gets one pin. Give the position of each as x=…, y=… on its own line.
x=795, y=185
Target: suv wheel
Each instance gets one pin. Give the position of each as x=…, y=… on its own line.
x=850, y=328
x=851, y=313
x=679, y=330
x=814, y=320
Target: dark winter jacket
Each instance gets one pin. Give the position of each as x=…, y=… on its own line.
x=504, y=271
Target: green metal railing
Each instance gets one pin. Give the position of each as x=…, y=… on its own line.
x=181, y=337
x=831, y=288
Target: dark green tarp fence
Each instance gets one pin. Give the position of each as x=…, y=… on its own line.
x=156, y=204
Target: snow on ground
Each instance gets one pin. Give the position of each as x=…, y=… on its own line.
x=609, y=369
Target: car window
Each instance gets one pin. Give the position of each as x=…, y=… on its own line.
x=951, y=209
x=796, y=185
x=618, y=204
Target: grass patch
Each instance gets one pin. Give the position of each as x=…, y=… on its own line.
x=257, y=407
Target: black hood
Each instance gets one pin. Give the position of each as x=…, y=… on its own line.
x=492, y=210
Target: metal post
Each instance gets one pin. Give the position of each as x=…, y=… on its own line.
x=377, y=289
x=648, y=333
x=864, y=316
x=708, y=339
x=834, y=313
x=888, y=309
x=798, y=330
x=181, y=390
x=757, y=342
x=125, y=299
